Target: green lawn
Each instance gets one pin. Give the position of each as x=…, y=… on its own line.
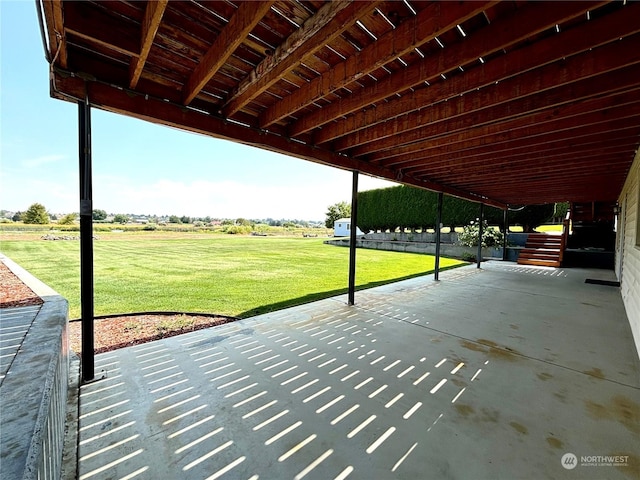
x=238, y=276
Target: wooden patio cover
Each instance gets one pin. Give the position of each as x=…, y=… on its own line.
x=507, y=102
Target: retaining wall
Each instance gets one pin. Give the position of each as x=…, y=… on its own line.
x=33, y=395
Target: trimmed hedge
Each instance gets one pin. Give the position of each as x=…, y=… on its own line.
x=405, y=207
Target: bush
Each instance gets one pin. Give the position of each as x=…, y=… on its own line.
x=150, y=227
x=36, y=214
x=490, y=237
x=238, y=229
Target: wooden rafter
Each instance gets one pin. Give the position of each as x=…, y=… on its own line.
x=596, y=112
x=240, y=25
x=434, y=20
x=530, y=20
x=433, y=123
x=152, y=17
x=444, y=157
x=557, y=47
x=329, y=22
x=53, y=12
x=536, y=90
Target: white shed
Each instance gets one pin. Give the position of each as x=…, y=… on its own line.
x=342, y=228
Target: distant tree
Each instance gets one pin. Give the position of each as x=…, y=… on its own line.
x=36, y=214
x=68, y=219
x=243, y=222
x=185, y=219
x=174, y=219
x=337, y=211
x=17, y=217
x=98, y=215
x=120, y=218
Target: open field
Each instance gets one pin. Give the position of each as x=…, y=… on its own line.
x=224, y=274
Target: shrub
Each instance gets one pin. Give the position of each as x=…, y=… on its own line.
x=150, y=227
x=490, y=237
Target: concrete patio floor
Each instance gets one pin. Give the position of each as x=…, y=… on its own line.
x=487, y=374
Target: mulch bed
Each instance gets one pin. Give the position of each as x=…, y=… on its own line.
x=114, y=332
x=14, y=292
x=127, y=330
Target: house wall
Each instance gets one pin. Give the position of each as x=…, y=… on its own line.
x=628, y=248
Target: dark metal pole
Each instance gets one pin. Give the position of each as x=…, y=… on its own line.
x=86, y=239
x=352, y=239
x=480, y=232
x=506, y=233
x=436, y=275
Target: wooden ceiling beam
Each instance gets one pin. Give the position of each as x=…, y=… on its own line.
x=490, y=147
x=470, y=158
x=578, y=77
x=243, y=21
x=396, y=133
x=541, y=160
x=592, y=112
x=328, y=22
x=434, y=20
x=150, y=23
x=578, y=40
x=54, y=15
x=502, y=33
x=161, y=112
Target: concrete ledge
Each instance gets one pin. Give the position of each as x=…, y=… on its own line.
x=446, y=249
x=33, y=394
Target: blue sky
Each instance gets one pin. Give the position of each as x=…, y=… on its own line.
x=138, y=167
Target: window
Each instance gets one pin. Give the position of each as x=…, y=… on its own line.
x=348, y=226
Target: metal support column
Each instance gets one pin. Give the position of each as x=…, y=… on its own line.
x=436, y=274
x=480, y=232
x=86, y=239
x=352, y=239
x=506, y=233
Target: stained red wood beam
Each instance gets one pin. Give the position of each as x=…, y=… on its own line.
x=328, y=22
x=150, y=23
x=591, y=112
x=161, y=112
x=551, y=142
x=490, y=105
x=243, y=21
x=504, y=168
x=478, y=150
x=436, y=123
x=501, y=33
x=54, y=16
x=579, y=39
x=434, y=20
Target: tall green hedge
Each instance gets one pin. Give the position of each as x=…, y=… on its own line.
x=413, y=208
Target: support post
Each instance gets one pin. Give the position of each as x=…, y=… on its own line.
x=436, y=274
x=480, y=232
x=352, y=239
x=86, y=239
x=506, y=233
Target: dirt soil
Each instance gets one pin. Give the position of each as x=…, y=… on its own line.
x=115, y=332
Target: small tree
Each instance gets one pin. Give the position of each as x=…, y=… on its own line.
x=120, y=218
x=36, y=214
x=17, y=217
x=99, y=215
x=185, y=219
x=174, y=219
x=337, y=211
x=68, y=219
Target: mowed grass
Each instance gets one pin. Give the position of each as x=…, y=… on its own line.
x=237, y=276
